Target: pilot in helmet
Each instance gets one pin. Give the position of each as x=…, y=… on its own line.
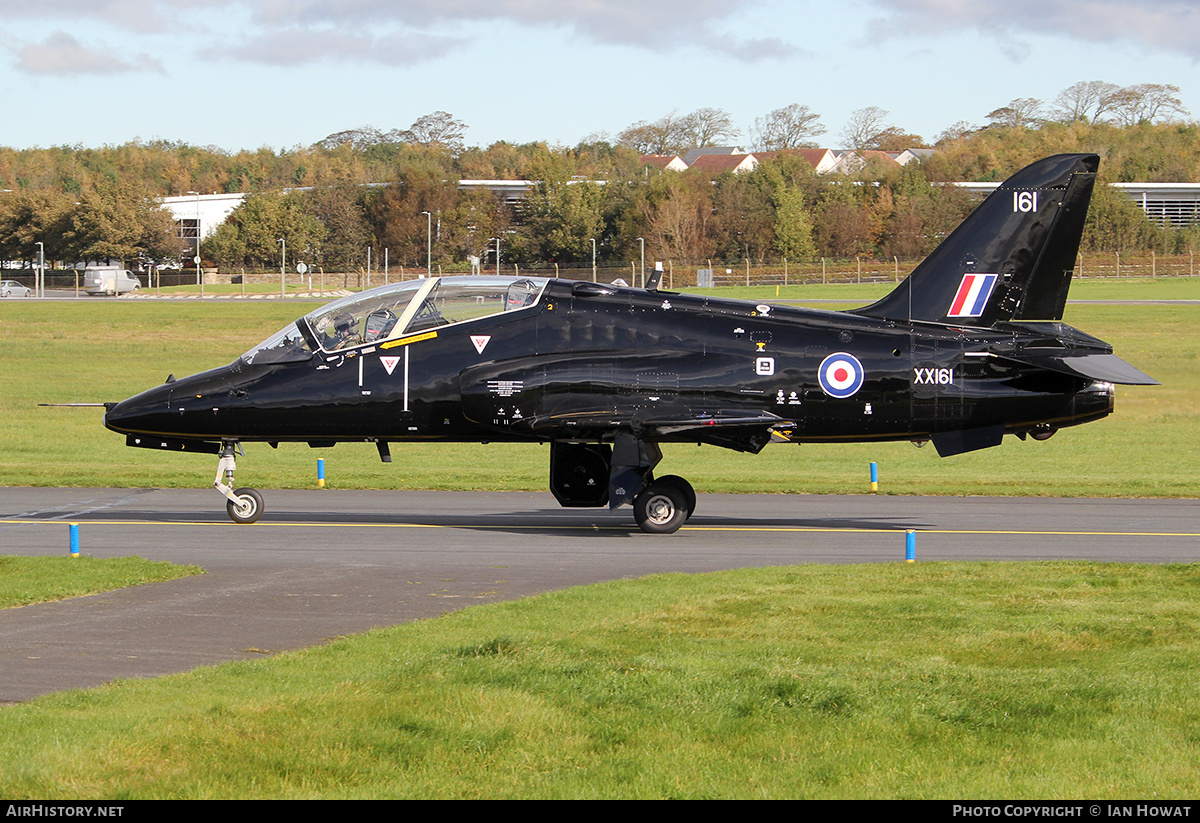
x=344, y=333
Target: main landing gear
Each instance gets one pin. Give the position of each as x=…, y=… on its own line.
x=664, y=505
x=243, y=505
x=599, y=474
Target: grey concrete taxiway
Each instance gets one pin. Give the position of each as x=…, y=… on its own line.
x=321, y=564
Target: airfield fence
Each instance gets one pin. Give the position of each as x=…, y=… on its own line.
x=748, y=272
x=676, y=275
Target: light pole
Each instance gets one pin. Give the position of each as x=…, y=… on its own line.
x=282, y=266
x=41, y=275
x=642, y=240
x=428, y=244
x=593, y=239
x=497, y=255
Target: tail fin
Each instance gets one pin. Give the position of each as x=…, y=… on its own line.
x=1011, y=259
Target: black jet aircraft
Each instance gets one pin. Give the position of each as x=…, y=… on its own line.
x=968, y=348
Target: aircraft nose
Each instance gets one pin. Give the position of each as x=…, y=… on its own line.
x=169, y=409
x=138, y=413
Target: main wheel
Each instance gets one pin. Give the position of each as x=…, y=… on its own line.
x=248, y=508
x=661, y=508
x=689, y=494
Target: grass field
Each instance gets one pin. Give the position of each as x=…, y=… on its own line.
x=26, y=580
x=929, y=680
x=957, y=680
x=110, y=349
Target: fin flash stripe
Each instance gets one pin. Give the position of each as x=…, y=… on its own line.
x=972, y=296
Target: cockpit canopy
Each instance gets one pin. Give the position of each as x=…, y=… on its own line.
x=401, y=309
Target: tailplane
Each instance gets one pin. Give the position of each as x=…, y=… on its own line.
x=1011, y=259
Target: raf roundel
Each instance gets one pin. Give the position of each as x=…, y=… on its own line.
x=841, y=375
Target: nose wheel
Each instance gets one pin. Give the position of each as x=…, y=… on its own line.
x=664, y=505
x=243, y=505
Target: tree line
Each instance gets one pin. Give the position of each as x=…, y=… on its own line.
x=397, y=190
x=781, y=210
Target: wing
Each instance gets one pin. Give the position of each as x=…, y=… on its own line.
x=655, y=396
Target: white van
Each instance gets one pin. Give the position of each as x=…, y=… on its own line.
x=109, y=281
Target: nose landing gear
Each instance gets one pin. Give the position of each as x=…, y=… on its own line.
x=243, y=505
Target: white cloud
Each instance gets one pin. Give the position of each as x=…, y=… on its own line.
x=1172, y=25
x=766, y=48
x=61, y=54
x=293, y=47
x=132, y=15
x=662, y=25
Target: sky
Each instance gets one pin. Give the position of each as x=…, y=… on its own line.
x=243, y=74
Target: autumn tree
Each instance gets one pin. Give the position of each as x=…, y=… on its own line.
x=790, y=127
x=843, y=225
x=30, y=217
x=358, y=139
x=708, y=127
x=438, y=128
x=121, y=221
x=347, y=235
x=959, y=130
x=1024, y=112
x=458, y=223
x=917, y=216
x=561, y=215
x=674, y=215
x=1087, y=101
x=664, y=136
x=250, y=235
x=1115, y=223
x=675, y=134
x=865, y=128
x=743, y=221
x=1147, y=103
x=792, y=225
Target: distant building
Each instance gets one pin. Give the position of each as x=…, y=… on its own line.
x=663, y=162
x=909, y=155
x=854, y=161
x=198, y=215
x=721, y=163
x=693, y=154
x=821, y=160
x=511, y=192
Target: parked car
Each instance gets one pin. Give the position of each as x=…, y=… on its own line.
x=11, y=288
x=109, y=281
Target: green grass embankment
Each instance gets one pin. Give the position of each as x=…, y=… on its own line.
x=1021, y=680
x=27, y=580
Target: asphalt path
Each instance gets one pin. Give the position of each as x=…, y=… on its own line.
x=324, y=563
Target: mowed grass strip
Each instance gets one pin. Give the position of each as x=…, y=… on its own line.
x=1015, y=680
x=26, y=580
x=110, y=349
